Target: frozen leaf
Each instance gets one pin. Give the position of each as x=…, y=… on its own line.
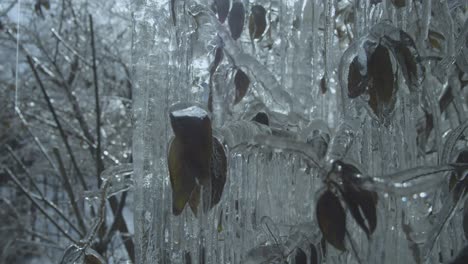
x=445, y=99
x=257, y=21
x=219, y=55
x=399, y=3
x=407, y=56
x=435, y=39
x=300, y=257
x=189, y=155
x=261, y=118
x=323, y=85
x=242, y=82
x=182, y=182
x=361, y=203
x=218, y=171
x=381, y=82
x=465, y=219
x=92, y=257
x=222, y=9
x=236, y=20
x=356, y=81
x=331, y=218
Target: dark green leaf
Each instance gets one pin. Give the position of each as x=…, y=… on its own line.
x=356, y=82
x=236, y=20
x=257, y=21
x=331, y=218
x=381, y=83
x=261, y=118
x=222, y=9
x=242, y=82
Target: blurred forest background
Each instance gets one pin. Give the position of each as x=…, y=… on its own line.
x=65, y=117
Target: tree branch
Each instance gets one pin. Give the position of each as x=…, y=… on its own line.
x=38, y=206
x=59, y=126
x=69, y=190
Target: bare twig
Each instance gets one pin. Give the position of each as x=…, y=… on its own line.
x=38, y=206
x=71, y=49
x=40, y=195
x=69, y=190
x=5, y=12
x=59, y=126
x=99, y=165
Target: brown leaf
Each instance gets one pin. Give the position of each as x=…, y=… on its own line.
x=189, y=155
x=381, y=82
x=236, y=20
x=222, y=9
x=435, y=39
x=257, y=21
x=331, y=218
x=242, y=82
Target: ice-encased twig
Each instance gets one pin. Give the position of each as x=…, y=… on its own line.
x=288, y=144
x=117, y=179
x=275, y=97
x=411, y=181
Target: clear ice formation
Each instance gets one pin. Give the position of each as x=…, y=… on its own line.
x=317, y=94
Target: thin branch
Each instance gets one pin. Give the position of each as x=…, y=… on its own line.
x=72, y=50
x=38, y=206
x=69, y=190
x=117, y=219
x=5, y=12
x=59, y=126
x=99, y=165
x=40, y=195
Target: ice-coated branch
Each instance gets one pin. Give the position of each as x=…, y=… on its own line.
x=71, y=195
x=40, y=195
x=99, y=164
x=411, y=181
x=59, y=126
x=275, y=97
x=38, y=206
x=293, y=145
